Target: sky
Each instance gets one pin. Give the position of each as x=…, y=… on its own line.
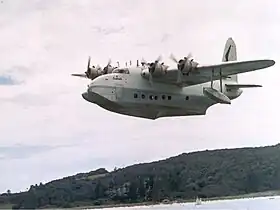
x=47, y=130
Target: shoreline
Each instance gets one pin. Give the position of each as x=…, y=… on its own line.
x=151, y=203
x=237, y=197
x=117, y=205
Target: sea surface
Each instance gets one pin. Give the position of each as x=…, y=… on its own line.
x=261, y=203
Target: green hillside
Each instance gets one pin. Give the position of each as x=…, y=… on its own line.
x=207, y=174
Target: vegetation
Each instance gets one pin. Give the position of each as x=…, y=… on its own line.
x=206, y=174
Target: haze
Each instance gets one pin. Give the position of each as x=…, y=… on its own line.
x=48, y=131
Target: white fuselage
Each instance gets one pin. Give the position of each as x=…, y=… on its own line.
x=133, y=95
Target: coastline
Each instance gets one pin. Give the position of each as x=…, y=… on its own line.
x=150, y=203
x=243, y=196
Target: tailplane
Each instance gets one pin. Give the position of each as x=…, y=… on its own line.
x=230, y=54
x=236, y=86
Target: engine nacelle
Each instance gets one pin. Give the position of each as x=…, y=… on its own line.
x=190, y=65
x=108, y=69
x=193, y=64
x=145, y=73
x=95, y=72
x=157, y=69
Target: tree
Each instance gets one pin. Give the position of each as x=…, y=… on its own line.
x=132, y=192
x=99, y=190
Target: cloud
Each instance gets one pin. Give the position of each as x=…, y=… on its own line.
x=14, y=75
x=8, y=80
x=108, y=31
x=19, y=151
x=45, y=109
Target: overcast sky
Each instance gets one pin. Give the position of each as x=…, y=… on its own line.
x=48, y=131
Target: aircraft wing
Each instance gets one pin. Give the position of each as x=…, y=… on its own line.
x=203, y=73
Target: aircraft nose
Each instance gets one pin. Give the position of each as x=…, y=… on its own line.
x=91, y=89
x=240, y=92
x=85, y=96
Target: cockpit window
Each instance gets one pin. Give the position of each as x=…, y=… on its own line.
x=121, y=70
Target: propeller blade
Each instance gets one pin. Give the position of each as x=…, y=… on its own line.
x=87, y=72
x=105, y=69
x=189, y=56
x=144, y=61
x=88, y=63
x=109, y=62
x=172, y=57
x=159, y=58
x=79, y=75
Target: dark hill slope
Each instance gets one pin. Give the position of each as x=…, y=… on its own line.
x=205, y=174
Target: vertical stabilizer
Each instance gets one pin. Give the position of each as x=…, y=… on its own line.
x=230, y=54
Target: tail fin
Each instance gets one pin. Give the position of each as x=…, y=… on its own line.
x=230, y=54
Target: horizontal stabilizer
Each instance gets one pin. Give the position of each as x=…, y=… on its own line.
x=242, y=86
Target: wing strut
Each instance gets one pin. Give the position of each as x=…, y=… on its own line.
x=221, y=83
x=214, y=94
x=212, y=78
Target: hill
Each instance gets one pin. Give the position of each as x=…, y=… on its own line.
x=216, y=173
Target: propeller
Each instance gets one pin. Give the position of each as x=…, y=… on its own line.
x=155, y=64
x=182, y=62
x=89, y=71
x=185, y=63
x=152, y=66
x=107, y=67
x=143, y=62
x=180, y=65
x=88, y=68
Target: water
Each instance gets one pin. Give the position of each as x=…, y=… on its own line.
x=262, y=203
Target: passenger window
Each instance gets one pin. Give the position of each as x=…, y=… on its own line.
x=163, y=97
x=135, y=95
x=151, y=97
x=169, y=97
x=155, y=97
x=143, y=96
x=187, y=97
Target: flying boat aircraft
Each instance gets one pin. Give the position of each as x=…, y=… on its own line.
x=154, y=90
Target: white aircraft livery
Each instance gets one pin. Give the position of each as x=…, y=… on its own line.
x=154, y=90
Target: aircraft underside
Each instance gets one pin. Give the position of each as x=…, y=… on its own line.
x=148, y=111
x=154, y=114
